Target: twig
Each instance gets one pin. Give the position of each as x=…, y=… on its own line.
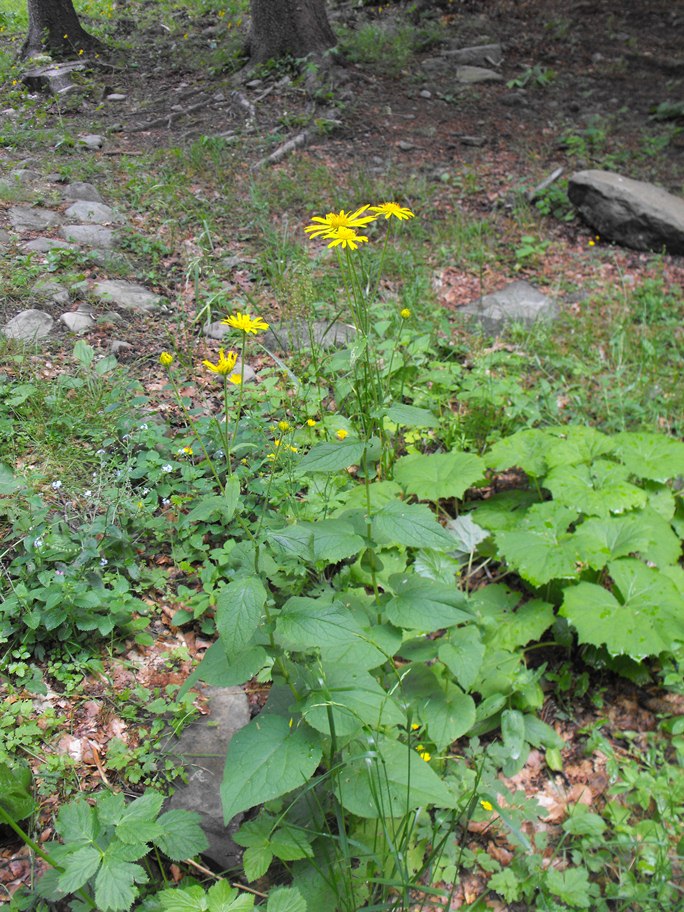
x=301, y=139
x=245, y=104
x=237, y=886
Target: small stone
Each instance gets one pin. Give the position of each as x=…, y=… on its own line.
x=24, y=175
x=79, y=190
x=117, y=96
x=425, y=93
x=77, y=322
x=25, y=218
x=5, y=237
x=92, y=213
x=90, y=236
x=29, y=326
x=51, y=291
x=119, y=346
x=111, y=260
x=297, y=335
x=515, y=99
x=127, y=295
x=44, y=245
x=480, y=55
x=254, y=83
x=470, y=75
x=405, y=145
x=472, y=140
x=92, y=141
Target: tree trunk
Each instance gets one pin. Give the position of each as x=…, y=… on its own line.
x=54, y=29
x=289, y=27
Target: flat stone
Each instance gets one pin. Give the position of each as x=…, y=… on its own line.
x=5, y=237
x=44, y=245
x=55, y=78
x=80, y=190
x=518, y=302
x=126, y=295
x=92, y=141
x=202, y=748
x=77, y=322
x=25, y=175
x=28, y=326
x=27, y=218
x=119, y=346
x=90, y=236
x=296, y=335
x=470, y=75
x=117, y=96
x=629, y=212
x=51, y=291
x=92, y=213
x=479, y=55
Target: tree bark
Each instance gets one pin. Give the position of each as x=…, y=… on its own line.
x=289, y=27
x=54, y=29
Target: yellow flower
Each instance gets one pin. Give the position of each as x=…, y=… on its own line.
x=425, y=755
x=225, y=363
x=345, y=237
x=392, y=209
x=292, y=449
x=592, y=243
x=487, y=805
x=166, y=359
x=283, y=426
x=235, y=379
x=404, y=313
x=187, y=451
x=341, y=434
x=245, y=323
x=334, y=220
x=276, y=443
x=415, y=727
x=311, y=423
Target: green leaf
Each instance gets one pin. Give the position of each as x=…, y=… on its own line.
x=184, y=899
x=182, y=836
x=597, y=490
x=642, y=617
x=285, y=899
x=570, y=886
x=266, y=759
x=308, y=622
x=441, y=705
x=8, y=483
x=540, y=549
x=15, y=796
x=513, y=732
x=328, y=540
x=354, y=699
x=389, y=779
x=438, y=475
x=216, y=506
x=652, y=456
x=256, y=860
x=76, y=822
x=584, y=823
x=574, y=444
x=222, y=897
x=239, y=606
x=526, y=450
x=80, y=866
x=463, y=654
x=114, y=890
x=379, y=493
x=601, y=540
x=290, y=844
x=540, y=734
x=333, y=457
x=411, y=416
x=413, y=525
x=503, y=511
x=217, y=669
x=422, y=604
x=524, y=625
x=111, y=807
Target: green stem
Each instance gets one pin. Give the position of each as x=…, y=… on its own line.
x=242, y=390
x=229, y=458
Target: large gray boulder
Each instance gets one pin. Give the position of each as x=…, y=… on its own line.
x=518, y=302
x=202, y=749
x=629, y=212
x=29, y=326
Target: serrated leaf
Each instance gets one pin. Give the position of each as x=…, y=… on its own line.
x=285, y=899
x=447, y=712
x=239, y=606
x=412, y=525
x=599, y=489
x=463, y=654
x=256, y=860
x=222, y=897
x=526, y=450
x=182, y=836
x=266, y=759
x=289, y=844
x=584, y=823
x=539, y=734
x=334, y=456
x=114, y=884
x=539, y=556
x=15, y=797
x=437, y=565
x=438, y=475
x=570, y=886
x=422, y=604
x=184, y=899
x=467, y=533
x=389, y=779
x=309, y=622
x=601, y=540
x=504, y=511
x=411, y=416
x=652, y=456
x=644, y=617
x=76, y=822
x=574, y=444
x=80, y=866
x=111, y=807
x=525, y=624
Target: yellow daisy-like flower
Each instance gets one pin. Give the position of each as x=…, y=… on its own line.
x=166, y=359
x=487, y=805
x=392, y=209
x=235, y=379
x=225, y=363
x=283, y=426
x=334, y=220
x=245, y=323
x=311, y=423
x=345, y=237
x=425, y=755
x=404, y=313
x=187, y=450
x=341, y=434
x=415, y=727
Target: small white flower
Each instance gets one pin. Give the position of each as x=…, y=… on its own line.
x=145, y=492
x=166, y=501
x=167, y=468
x=219, y=454
x=103, y=561
x=143, y=427
x=59, y=572
x=87, y=493
x=38, y=544
x=126, y=437
x=100, y=452
x=94, y=475
x=56, y=485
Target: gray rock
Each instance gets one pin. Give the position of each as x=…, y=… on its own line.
x=5, y=237
x=116, y=96
x=92, y=141
x=26, y=218
x=77, y=322
x=92, y=213
x=479, y=55
x=29, y=326
x=435, y=66
x=25, y=175
x=90, y=236
x=294, y=336
x=119, y=346
x=126, y=295
x=202, y=748
x=472, y=140
x=80, y=190
x=55, y=78
x=470, y=75
x=51, y=291
x=518, y=302
x=44, y=245
x=629, y=212
x=405, y=145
